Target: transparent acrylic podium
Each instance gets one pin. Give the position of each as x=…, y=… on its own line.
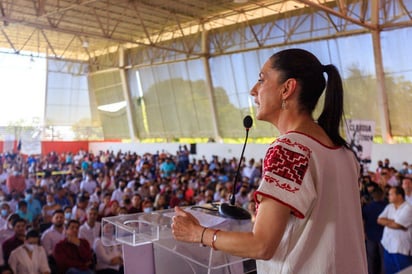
x=149, y=246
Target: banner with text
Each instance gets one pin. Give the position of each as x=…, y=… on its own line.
x=359, y=134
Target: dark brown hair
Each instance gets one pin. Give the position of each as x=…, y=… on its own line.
x=308, y=72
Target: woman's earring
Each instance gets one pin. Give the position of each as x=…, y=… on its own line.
x=283, y=104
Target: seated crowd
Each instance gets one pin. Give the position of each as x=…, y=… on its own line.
x=52, y=205
x=58, y=201
x=386, y=197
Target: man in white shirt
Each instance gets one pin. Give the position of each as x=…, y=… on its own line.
x=29, y=258
x=90, y=230
x=397, y=234
x=109, y=256
x=55, y=233
x=407, y=187
x=88, y=184
x=119, y=191
x=79, y=209
x=47, y=182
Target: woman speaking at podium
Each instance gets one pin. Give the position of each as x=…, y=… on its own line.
x=308, y=208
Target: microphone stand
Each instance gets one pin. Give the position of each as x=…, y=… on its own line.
x=230, y=209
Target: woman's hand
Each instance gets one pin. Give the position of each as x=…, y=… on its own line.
x=186, y=227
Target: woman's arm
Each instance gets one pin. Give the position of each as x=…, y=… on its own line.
x=261, y=243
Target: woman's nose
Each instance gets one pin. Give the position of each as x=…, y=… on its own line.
x=253, y=91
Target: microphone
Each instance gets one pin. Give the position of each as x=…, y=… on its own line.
x=230, y=209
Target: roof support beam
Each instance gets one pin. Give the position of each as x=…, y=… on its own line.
x=39, y=6
x=48, y=43
x=209, y=85
x=337, y=14
x=8, y=40
x=3, y=13
x=380, y=77
x=89, y=34
x=342, y=6
x=131, y=121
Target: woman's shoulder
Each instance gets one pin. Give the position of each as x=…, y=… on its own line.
x=308, y=139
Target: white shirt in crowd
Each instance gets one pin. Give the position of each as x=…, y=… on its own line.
x=3, y=223
x=73, y=186
x=50, y=238
x=79, y=214
x=88, y=185
x=89, y=233
x=408, y=198
x=398, y=240
x=21, y=263
x=105, y=253
x=117, y=195
x=46, y=183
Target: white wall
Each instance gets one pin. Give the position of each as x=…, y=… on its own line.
x=207, y=150
x=395, y=153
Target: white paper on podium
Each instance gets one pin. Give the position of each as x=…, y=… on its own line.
x=204, y=219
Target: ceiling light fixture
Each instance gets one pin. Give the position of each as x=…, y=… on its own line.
x=85, y=44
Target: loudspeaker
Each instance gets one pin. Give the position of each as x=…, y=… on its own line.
x=193, y=149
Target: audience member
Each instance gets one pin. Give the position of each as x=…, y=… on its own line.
x=109, y=259
x=16, y=182
x=397, y=234
x=61, y=197
x=147, y=206
x=104, y=207
x=114, y=208
x=250, y=171
x=405, y=169
x=160, y=202
x=96, y=197
x=23, y=212
x=3, y=180
x=88, y=184
x=7, y=231
x=407, y=187
x=47, y=183
x=54, y=234
x=19, y=227
x=33, y=205
x=374, y=231
x=4, y=214
x=49, y=208
x=241, y=197
x=136, y=203
x=90, y=230
x=73, y=255
x=79, y=210
x=15, y=198
x=118, y=192
x=67, y=214
x=178, y=199
x=167, y=168
x=29, y=258
x=72, y=184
